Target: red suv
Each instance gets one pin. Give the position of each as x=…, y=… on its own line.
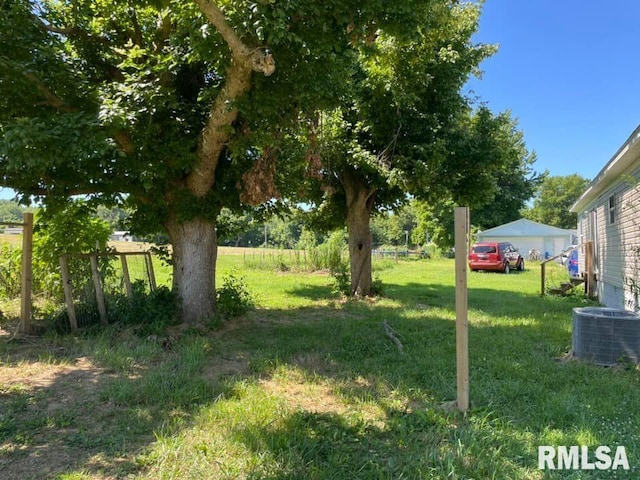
x=500, y=256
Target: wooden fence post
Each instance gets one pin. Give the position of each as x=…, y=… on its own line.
x=543, y=286
x=462, y=320
x=152, y=277
x=590, y=284
x=27, y=274
x=125, y=276
x=68, y=293
x=102, y=310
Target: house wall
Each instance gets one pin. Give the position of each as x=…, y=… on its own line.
x=547, y=244
x=616, y=245
x=524, y=244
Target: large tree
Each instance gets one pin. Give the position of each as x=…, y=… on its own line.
x=408, y=128
x=554, y=199
x=473, y=161
x=172, y=106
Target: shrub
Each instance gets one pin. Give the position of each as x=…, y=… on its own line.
x=377, y=287
x=341, y=280
x=68, y=231
x=146, y=312
x=327, y=255
x=10, y=271
x=233, y=297
x=431, y=250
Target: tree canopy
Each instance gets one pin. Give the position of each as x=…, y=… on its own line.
x=175, y=108
x=408, y=128
x=178, y=109
x=554, y=198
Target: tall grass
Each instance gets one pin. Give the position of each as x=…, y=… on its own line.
x=329, y=255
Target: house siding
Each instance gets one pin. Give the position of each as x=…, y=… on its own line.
x=617, y=244
x=523, y=244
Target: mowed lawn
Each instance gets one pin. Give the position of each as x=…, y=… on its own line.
x=308, y=386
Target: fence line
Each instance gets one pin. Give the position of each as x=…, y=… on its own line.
x=98, y=282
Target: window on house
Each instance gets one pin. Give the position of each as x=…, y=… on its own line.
x=612, y=209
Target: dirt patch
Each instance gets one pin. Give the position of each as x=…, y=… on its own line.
x=311, y=397
x=314, y=362
x=227, y=367
x=42, y=375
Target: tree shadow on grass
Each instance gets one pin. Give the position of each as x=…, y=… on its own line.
x=326, y=445
x=312, y=292
x=520, y=390
x=55, y=421
x=88, y=411
x=354, y=406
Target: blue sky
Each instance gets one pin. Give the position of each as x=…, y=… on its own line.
x=568, y=70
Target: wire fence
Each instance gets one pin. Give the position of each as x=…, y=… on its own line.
x=94, y=283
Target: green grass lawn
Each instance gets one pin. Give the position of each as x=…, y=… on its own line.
x=308, y=386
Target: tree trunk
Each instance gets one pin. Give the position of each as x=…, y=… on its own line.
x=194, y=263
x=194, y=241
x=359, y=205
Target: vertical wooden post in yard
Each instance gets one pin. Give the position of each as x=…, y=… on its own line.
x=462, y=319
x=27, y=274
x=102, y=309
x=68, y=293
x=125, y=276
x=152, y=276
x=590, y=284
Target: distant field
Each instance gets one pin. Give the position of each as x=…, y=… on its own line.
x=10, y=239
x=254, y=252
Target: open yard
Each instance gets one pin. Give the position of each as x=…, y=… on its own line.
x=307, y=386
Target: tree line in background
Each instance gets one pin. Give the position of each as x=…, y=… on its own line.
x=202, y=118
x=414, y=224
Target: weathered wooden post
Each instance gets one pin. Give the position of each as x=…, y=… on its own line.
x=27, y=274
x=462, y=319
x=97, y=283
x=152, y=276
x=125, y=275
x=68, y=293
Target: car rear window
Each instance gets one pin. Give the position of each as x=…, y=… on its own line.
x=484, y=249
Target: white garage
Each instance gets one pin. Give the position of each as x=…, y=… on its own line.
x=528, y=235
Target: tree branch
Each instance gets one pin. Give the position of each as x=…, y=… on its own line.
x=164, y=26
x=218, y=129
x=51, y=99
x=260, y=59
x=391, y=334
x=137, y=37
x=216, y=18
x=124, y=141
x=43, y=192
x=72, y=31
